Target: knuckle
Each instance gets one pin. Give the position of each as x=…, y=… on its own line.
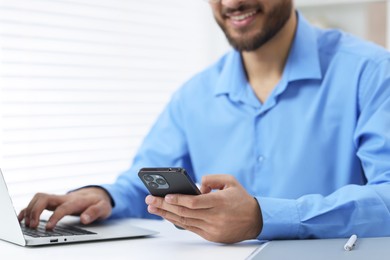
x=193, y=203
x=40, y=196
x=162, y=213
x=181, y=211
x=230, y=178
x=33, y=212
x=183, y=221
x=159, y=203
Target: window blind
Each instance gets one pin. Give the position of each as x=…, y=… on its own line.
x=81, y=82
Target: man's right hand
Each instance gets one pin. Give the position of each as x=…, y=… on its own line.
x=89, y=203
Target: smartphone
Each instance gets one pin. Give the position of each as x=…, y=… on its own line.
x=163, y=181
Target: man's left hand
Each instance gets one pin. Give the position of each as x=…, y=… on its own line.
x=228, y=215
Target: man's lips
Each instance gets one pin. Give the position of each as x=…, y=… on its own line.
x=241, y=19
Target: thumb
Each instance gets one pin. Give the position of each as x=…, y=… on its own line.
x=216, y=182
x=94, y=212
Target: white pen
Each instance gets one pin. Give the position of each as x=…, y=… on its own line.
x=350, y=243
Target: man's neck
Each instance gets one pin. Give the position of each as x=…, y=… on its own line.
x=264, y=66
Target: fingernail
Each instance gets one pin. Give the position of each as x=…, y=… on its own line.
x=32, y=222
x=149, y=199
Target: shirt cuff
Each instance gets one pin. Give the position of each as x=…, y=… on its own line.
x=280, y=218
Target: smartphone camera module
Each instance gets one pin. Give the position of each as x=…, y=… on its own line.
x=148, y=178
x=155, y=181
x=153, y=185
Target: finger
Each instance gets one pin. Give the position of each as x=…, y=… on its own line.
x=99, y=210
x=159, y=203
x=60, y=212
x=21, y=215
x=30, y=206
x=203, y=201
x=205, y=189
x=217, y=181
x=181, y=220
x=204, y=229
x=199, y=231
x=199, y=213
x=154, y=201
x=35, y=209
x=196, y=230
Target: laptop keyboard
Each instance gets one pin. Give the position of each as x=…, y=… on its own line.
x=58, y=231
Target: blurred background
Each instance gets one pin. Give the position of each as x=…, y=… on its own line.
x=82, y=81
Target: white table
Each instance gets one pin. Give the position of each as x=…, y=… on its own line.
x=170, y=243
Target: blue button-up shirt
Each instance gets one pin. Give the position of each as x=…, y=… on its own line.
x=316, y=154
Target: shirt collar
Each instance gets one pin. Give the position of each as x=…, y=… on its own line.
x=303, y=62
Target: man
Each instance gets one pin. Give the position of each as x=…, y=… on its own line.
x=296, y=120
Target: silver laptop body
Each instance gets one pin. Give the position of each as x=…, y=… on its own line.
x=11, y=230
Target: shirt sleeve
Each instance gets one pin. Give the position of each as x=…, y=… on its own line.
x=353, y=209
x=164, y=146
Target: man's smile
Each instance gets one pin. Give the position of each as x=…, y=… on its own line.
x=241, y=19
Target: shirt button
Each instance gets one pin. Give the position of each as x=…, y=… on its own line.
x=260, y=158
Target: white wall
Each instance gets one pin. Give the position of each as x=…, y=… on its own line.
x=81, y=82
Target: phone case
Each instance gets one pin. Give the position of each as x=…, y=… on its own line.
x=163, y=181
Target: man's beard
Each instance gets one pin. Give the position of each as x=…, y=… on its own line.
x=275, y=20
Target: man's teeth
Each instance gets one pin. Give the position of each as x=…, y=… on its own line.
x=243, y=16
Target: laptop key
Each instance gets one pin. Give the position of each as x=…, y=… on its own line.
x=59, y=230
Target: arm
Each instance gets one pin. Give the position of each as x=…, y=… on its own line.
x=353, y=209
x=364, y=210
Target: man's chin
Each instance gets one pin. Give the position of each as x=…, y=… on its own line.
x=243, y=44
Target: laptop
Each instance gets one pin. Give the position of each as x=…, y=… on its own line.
x=67, y=231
